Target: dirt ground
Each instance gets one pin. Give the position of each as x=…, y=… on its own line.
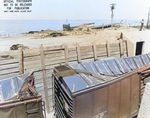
x=83, y=37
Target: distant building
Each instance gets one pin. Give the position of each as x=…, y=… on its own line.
x=66, y=27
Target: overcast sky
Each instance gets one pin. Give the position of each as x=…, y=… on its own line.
x=81, y=10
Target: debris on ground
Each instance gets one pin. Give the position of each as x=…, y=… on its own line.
x=17, y=46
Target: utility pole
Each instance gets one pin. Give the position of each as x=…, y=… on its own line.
x=112, y=7
x=147, y=26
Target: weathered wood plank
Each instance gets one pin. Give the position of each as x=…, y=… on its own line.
x=44, y=77
x=66, y=54
x=51, y=48
x=114, y=49
x=12, y=70
x=57, y=61
x=108, y=49
x=78, y=53
x=32, y=65
x=101, y=46
x=87, y=53
x=21, y=70
x=121, y=49
x=50, y=94
x=127, y=50
x=86, y=47
x=101, y=55
x=54, y=53
x=31, y=69
x=31, y=52
x=52, y=58
x=40, y=90
x=27, y=59
x=33, y=62
x=95, y=51
x=41, y=84
x=37, y=81
x=112, y=52
x=8, y=61
x=72, y=53
x=40, y=79
x=114, y=44
x=87, y=50
x=8, y=66
x=72, y=59
x=102, y=51
x=87, y=56
x=50, y=71
x=71, y=49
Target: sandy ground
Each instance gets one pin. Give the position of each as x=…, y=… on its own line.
x=98, y=36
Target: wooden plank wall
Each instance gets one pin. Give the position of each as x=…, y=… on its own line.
x=8, y=64
x=42, y=60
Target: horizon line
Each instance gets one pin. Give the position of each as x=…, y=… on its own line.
x=71, y=19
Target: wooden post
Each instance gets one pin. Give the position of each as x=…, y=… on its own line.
x=78, y=53
x=127, y=48
x=66, y=54
x=44, y=78
x=121, y=49
x=121, y=36
x=108, y=48
x=20, y=54
x=95, y=51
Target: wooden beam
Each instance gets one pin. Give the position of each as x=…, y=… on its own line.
x=121, y=36
x=52, y=48
x=121, y=48
x=20, y=54
x=127, y=50
x=44, y=78
x=66, y=54
x=8, y=61
x=8, y=66
x=95, y=51
x=78, y=53
x=8, y=71
x=108, y=48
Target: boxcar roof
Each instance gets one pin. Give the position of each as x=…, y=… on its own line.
x=83, y=76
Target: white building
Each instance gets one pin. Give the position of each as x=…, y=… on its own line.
x=138, y=42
